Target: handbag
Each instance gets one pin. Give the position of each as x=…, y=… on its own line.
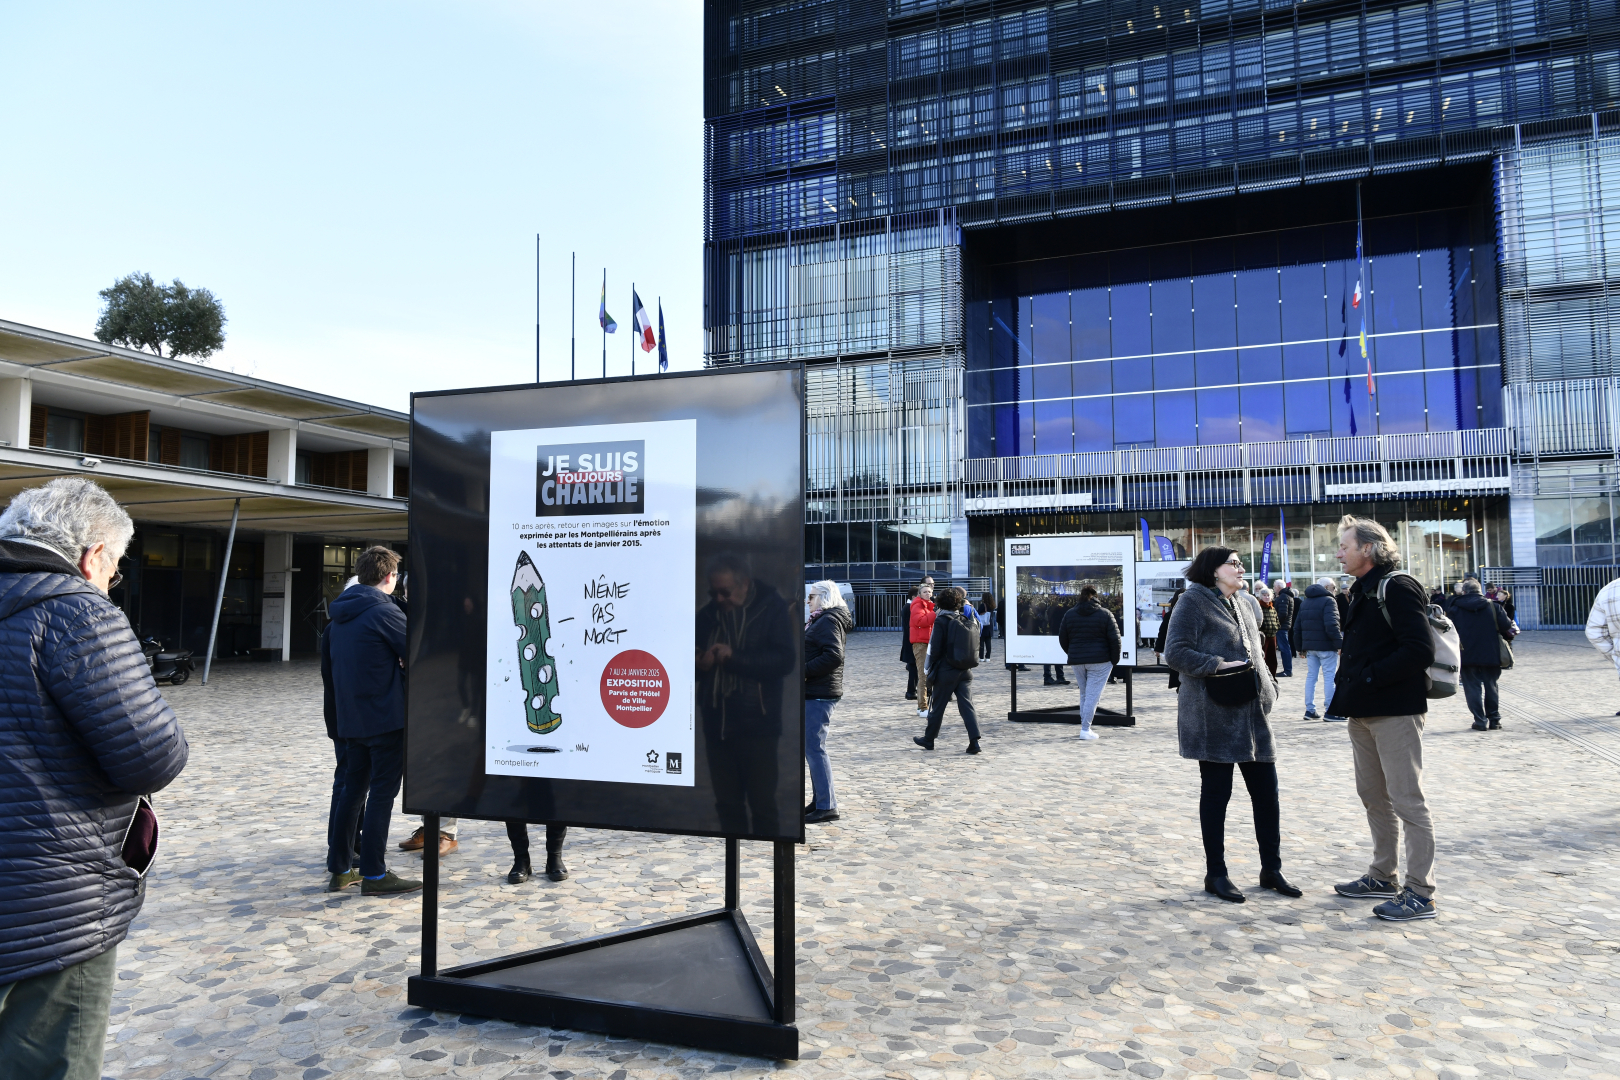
x=1504, y=653
x=1234, y=686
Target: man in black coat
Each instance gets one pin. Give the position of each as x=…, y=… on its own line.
x=364, y=649
x=1481, y=624
x=1286, y=602
x=745, y=648
x=946, y=679
x=1381, y=687
x=84, y=734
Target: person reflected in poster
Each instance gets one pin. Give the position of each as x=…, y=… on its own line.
x=744, y=651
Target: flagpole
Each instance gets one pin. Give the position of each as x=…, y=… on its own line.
x=604, y=326
x=537, y=308
x=573, y=259
x=633, y=327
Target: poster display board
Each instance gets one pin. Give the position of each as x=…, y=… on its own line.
x=1156, y=585
x=605, y=621
x=591, y=529
x=1044, y=576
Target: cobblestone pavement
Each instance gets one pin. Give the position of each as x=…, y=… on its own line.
x=1036, y=911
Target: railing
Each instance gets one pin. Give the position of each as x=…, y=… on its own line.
x=1551, y=597
x=881, y=605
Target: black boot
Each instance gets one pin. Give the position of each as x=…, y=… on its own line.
x=555, y=836
x=1220, y=885
x=520, y=872
x=926, y=744
x=1273, y=880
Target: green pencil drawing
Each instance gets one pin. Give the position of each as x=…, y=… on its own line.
x=536, y=665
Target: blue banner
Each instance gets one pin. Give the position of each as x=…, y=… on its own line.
x=1146, y=547
x=1167, y=550
x=1265, y=560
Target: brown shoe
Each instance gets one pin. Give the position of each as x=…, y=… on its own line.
x=414, y=842
x=447, y=844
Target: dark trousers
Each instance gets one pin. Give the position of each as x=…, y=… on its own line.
x=55, y=1024
x=985, y=638
x=518, y=833
x=959, y=685
x=1053, y=672
x=1260, y=777
x=911, y=681
x=338, y=750
x=1479, y=687
x=1285, y=652
x=373, y=768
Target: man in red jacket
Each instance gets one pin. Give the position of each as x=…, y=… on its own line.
x=920, y=627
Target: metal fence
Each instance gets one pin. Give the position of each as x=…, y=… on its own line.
x=1551, y=597
x=881, y=605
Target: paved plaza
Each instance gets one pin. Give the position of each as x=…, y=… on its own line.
x=1036, y=911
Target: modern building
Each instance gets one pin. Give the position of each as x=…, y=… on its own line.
x=1081, y=266
x=297, y=483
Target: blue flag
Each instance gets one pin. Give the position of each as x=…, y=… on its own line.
x=1146, y=547
x=1265, y=559
x=1167, y=550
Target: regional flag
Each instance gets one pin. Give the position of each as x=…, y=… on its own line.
x=643, y=322
x=663, y=350
x=602, y=315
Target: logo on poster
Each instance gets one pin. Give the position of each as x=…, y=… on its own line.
x=591, y=479
x=635, y=690
x=1020, y=549
x=672, y=763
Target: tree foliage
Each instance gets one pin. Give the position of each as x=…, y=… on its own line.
x=144, y=314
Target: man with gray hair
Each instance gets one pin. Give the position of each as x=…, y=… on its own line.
x=1382, y=688
x=86, y=737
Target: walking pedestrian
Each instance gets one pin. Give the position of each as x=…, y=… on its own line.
x=365, y=650
x=987, y=625
x=517, y=832
x=329, y=715
x=1481, y=626
x=1318, y=637
x=1504, y=596
x=1221, y=712
x=824, y=635
x=1270, y=624
x=921, y=624
x=1381, y=686
x=1287, y=603
x=1089, y=637
x=946, y=650
x=87, y=739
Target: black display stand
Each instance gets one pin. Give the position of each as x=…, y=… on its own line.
x=697, y=981
x=1070, y=714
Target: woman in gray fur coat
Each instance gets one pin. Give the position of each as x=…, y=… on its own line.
x=1210, y=632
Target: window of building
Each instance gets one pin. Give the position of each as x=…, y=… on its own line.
x=64, y=431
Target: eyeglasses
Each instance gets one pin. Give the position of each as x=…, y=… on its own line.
x=117, y=580
x=1235, y=562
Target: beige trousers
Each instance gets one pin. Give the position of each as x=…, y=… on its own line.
x=920, y=651
x=1389, y=778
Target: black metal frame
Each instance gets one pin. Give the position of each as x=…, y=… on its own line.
x=453, y=991
x=1070, y=714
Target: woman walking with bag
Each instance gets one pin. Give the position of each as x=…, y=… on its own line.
x=1221, y=712
x=1089, y=637
x=824, y=635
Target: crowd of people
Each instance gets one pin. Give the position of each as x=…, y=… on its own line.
x=89, y=738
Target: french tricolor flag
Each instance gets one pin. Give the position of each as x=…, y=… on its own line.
x=644, y=324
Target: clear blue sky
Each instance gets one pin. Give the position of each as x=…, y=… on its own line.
x=361, y=183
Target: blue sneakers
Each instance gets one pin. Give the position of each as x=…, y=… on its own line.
x=1405, y=908
x=1367, y=885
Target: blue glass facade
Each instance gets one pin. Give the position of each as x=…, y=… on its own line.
x=1250, y=338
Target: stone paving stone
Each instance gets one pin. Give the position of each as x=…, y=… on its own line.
x=1036, y=911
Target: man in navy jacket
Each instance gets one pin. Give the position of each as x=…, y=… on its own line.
x=84, y=734
x=364, y=648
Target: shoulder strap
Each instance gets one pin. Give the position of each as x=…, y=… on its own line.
x=1383, y=584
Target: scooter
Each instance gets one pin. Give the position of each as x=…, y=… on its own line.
x=173, y=668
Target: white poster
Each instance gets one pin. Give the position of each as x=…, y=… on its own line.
x=592, y=534
x=1156, y=585
x=1044, y=577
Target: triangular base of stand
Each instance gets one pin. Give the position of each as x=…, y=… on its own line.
x=699, y=981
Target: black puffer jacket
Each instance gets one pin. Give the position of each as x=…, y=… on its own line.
x=824, y=654
x=83, y=732
x=1480, y=622
x=1089, y=635
x=1316, y=627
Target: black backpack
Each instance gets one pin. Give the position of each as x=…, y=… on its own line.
x=963, y=653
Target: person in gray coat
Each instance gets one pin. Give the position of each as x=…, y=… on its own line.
x=84, y=737
x=1212, y=631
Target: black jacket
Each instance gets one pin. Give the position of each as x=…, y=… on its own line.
x=1316, y=627
x=947, y=624
x=742, y=697
x=1287, y=605
x=362, y=648
x=83, y=733
x=824, y=653
x=1383, y=665
x=1480, y=624
x=1089, y=635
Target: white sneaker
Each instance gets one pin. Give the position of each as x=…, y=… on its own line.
x=1087, y=735
x=922, y=714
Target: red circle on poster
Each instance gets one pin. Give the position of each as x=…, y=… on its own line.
x=635, y=688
